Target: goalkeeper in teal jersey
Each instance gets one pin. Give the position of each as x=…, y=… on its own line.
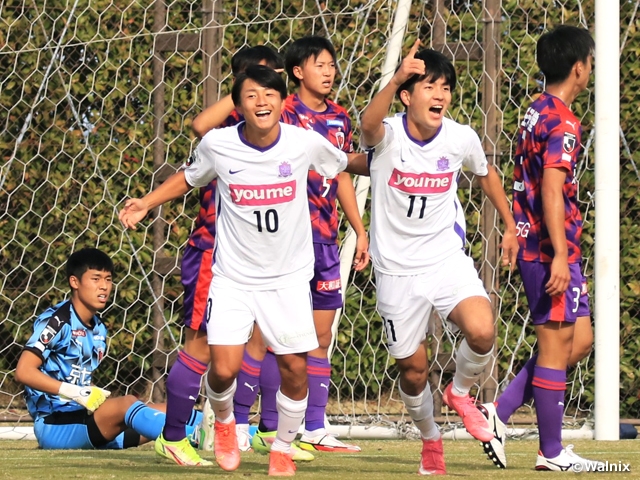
x=57, y=363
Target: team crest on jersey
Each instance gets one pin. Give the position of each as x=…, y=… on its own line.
x=47, y=335
x=285, y=170
x=442, y=164
x=569, y=142
x=78, y=333
x=340, y=139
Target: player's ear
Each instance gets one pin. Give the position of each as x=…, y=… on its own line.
x=405, y=96
x=297, y=71
x=579, y=68
x=74, y=282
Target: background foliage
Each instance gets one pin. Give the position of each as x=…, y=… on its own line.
x=77, y=113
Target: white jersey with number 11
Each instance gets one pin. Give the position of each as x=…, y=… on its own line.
x=416, y=217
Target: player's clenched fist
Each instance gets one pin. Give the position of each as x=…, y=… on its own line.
x=134, y=210
x=89, y=397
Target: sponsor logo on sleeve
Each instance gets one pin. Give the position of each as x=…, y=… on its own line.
x=47, y=334
x=427, y=183
x=328, y=285
x=193, y=158
x=256, y=195
x=569, y=142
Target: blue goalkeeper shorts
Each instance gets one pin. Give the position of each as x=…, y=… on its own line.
x=77, y=430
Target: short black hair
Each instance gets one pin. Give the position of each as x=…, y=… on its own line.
x=302, y=50
x=437, y=66
x=560, y=49
x=253, y=56
x=264, y=76
x=88, y=259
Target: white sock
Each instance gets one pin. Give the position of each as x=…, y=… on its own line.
x=290, y=416
x=221, y=403
x=420, y=410
x=469, y=366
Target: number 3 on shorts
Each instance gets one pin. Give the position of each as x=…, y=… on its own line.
x=390, y=330
x=576, y=299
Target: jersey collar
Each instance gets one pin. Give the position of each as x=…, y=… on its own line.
x=422, y=143
x=256, y=147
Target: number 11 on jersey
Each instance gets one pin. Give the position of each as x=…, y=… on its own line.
x=412, y=201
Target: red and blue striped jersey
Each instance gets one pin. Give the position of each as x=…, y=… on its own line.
x=335, y=125
x=549, y=137
x=203, y=235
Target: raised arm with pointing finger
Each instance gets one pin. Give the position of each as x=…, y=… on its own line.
x=378, y=109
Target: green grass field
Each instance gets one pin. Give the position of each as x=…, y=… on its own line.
x=379, y=460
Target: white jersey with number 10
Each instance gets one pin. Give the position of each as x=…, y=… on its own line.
x=416, y=217
x=263, y=239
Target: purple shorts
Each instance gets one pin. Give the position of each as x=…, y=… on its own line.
x=562, y=308
x=196, y=278
x=326, y=286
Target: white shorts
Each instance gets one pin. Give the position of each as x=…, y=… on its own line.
x=285, y=317
x=405, y=302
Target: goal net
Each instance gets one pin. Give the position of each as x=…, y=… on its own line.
x=96, y=103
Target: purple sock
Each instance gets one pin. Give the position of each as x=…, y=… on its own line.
x=247, y=389
x=319, y=375
x=269, y=385
x=518, y=392
x=549, y=386
x=183, y=388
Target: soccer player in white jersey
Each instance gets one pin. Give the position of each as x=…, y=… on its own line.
x=418, y=236
x=263, y=258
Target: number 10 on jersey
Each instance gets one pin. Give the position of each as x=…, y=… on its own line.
x=269, y=219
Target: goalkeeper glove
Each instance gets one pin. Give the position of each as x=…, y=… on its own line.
x=89, y=397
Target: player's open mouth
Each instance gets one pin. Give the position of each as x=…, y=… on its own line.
x=102, y=298
x=263, y=113
x=437, y=109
